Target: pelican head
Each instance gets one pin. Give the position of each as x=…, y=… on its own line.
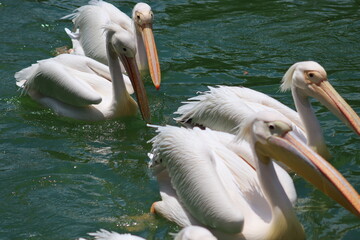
x=121, y=44
x=142, y=14
x=143, y=17
x=273, y=139
x=310, y=79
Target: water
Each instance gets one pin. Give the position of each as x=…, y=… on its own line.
x=61, y=178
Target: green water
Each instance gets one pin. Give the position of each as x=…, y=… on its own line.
x=60, y=179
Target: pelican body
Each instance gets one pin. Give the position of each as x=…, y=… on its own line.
x=89, y=39
x=81, y=88
x=224, y=108
x=203, y=182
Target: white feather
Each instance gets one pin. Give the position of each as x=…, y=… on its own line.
x=103, y=234
x=187, y=233
x=208, y=183
x=198, y=164
x=194, y=233
x=225, y=108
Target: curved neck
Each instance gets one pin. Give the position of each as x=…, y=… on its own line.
x=120, y=94
x=271, y=186
x=315, y=138
x=284, y=220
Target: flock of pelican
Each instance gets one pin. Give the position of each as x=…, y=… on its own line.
x=224, y=174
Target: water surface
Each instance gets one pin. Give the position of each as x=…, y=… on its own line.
x=62, y=178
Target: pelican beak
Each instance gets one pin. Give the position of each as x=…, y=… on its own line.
x=138, y=85
x=329, y=97
x=311, y=166
x=151, y=52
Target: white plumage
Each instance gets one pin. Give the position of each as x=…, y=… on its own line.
x=82, y=88
x=225, y=108
x=188, y=233
x=89, y=38
x=194, y=233
x=89, y=21
x=203, y=182
x=103, y=234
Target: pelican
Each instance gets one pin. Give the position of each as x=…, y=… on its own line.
x=224, y=108
x=91, y=18
x=204, y=183
x=81, y=88
x=187, y=233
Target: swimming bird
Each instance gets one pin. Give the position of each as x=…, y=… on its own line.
x=89, y=21
x=224, y=108
x=204, y=183
x=81, y=88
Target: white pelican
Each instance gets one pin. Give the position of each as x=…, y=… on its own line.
x=203, y=183
x=81, y=88
x=91, y=18
x=224, y=108
x=187, y=233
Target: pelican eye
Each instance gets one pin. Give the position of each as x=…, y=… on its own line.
x=315, y=77
x=271, y=127
x=124, y=49
x=138, y=17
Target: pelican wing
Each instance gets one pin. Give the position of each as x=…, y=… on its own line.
x=72, y=79
x=98, y=71
x=202, y=182
x=169, y=206
x=53, y=79
x=103, y=234
x=225, y=108
x=90, y=20
x=210, y=180
x=114, y=13
x=193, y=233
x=76, y=46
